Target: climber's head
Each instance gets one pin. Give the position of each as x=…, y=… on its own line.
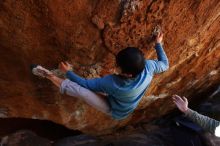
x=131, y=62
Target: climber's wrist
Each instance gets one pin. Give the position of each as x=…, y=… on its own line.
x=158, y=43
x=68, y=71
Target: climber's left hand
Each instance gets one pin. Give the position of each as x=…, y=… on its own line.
x=65, y=66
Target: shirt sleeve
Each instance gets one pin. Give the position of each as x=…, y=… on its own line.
x=95, y=84
x=160, y=65
x=205, y=122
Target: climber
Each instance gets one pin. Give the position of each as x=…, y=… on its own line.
x=124, y=91
x=205, y=122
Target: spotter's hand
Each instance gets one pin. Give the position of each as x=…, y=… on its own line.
x=181, y=103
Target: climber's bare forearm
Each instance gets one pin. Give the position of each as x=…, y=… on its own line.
x=55, y=80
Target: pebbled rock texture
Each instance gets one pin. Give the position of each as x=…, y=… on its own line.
x=89, y=33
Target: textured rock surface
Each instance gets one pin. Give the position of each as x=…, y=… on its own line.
x=89, y=33
x=159, y=136
x=24, y=138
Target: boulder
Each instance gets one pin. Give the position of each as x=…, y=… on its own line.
x=89, y=33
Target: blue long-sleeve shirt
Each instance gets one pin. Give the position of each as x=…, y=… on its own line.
x=125, y=94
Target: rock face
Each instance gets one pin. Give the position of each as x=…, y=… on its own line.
x=24, y=138
x=89, y=33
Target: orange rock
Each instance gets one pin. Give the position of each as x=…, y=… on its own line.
x=47, y=32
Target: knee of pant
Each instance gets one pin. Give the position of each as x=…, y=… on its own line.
x=85, y=92
x=73, y=91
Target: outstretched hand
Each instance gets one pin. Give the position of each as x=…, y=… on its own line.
x=159, y=37
x=65, y=66
x=181, y=103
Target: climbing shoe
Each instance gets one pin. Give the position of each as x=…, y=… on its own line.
x=40, y=71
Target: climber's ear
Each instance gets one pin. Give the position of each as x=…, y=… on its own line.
x=126, y=75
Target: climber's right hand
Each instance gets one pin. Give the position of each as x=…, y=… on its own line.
x=159, y=37
x=65, y=66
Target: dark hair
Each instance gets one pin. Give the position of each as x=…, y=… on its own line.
x=131, y=61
